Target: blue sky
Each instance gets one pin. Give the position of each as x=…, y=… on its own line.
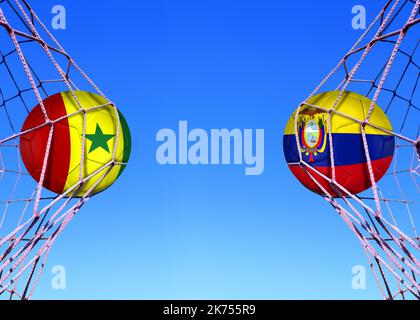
x=206, y=232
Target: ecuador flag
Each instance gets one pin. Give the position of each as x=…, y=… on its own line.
x=351, y=170
x=67, y=165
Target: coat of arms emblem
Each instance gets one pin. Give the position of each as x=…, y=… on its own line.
x=312, y=132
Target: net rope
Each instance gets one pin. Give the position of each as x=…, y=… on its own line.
x=383, y=66
x=33, y=66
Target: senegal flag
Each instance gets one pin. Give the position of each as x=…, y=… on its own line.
x=74, y=162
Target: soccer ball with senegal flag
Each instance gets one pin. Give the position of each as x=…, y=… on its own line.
x=67, y=169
